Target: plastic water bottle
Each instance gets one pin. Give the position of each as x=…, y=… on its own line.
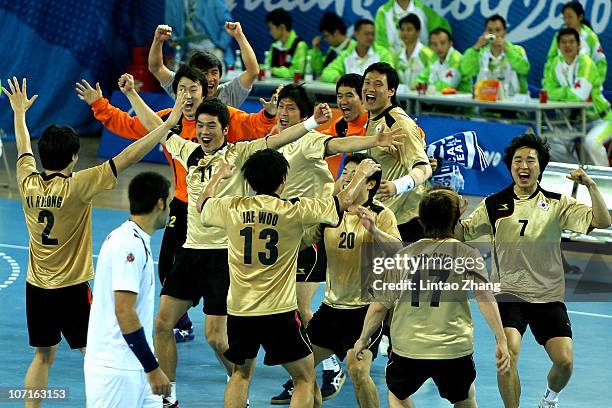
x=308, y=76
x=267, y=70
x=238, y=64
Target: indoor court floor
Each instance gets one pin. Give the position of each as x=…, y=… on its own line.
x=200, y=379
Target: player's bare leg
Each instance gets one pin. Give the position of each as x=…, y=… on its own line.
x=37, y=376
x=509, y=383
x=215, y=331
x=237, y=389
x=304, y=382
x=305, y=291
x=170, y=310
x=560, y=351
x=470, y=402
x=395, y=402
x=359, y=371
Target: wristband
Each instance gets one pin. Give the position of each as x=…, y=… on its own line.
x=404, y=184
x=137, y=342
x=310, y=124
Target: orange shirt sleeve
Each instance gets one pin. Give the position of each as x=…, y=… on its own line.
x=120, y=122
x=248, y=126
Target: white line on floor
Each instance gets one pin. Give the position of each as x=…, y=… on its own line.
x=605, y=316
x=27, y=248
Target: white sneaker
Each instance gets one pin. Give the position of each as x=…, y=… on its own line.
x=548, y=404
x=383, y=346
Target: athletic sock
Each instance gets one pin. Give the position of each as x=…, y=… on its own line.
x=172, y=398
x=550, y=395
x=331, y=364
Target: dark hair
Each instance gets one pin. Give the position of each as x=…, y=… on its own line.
x=568, y=31
x=204, y=60
x=579, y=10
x=410, y=19
x=56, y=147
x=352, y=81
x=389, y=72
x=439, y=212
x=265, y=170
x=376, y=177
x=278, y=17
x=214, y=107
x=145, y=190
x=496, y=17
x=533, y=142
x=298, y=94
x=331, y=22
x=190, y=72
x=362, y=22
x=440, y=30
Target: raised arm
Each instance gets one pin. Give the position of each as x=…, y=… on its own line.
x=601, y=215
x=321, y=115
x=137, y=150
x=251, y=67
x=225, y=171
x=20, y=103
x=388, y=242
x=156, y=57
x=356, y=143
x=147, y=116
x=365, y=169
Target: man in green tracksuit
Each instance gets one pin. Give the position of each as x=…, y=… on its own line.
x=333, y=29
x=288, y=52
x=414, y=56
x=493, y=57
x=444, y=71
x=573, y=76
x=389, y=14
x=355, y=59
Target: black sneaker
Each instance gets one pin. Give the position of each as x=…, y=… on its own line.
x=332, y=383
x=170, y=405
x=284, y=398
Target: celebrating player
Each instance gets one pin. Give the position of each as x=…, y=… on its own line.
x=525, y=219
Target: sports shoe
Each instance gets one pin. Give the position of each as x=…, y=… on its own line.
x=548, y=404
x=182, y=336
x=167, y=404
x=284, y=398
x=332, y=383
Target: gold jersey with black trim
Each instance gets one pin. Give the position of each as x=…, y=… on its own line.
x=432, y=319
x=200, y=168
x=526, y=236
x=264, y=236
x=399, y=163
x=57, y=210
x=347, y=246
x=308, y=174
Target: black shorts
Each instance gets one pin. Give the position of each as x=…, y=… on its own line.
x=546, y=320
x=174, y=237
x=339, y=329
x=281, y=335
x=453, y=377
x=411, y=231
x=311, y=264
x=200, y=273
x=52, y=313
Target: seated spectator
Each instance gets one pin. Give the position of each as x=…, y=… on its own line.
x=444, y=70
x=414, y=56
x=334, y=33
x=494, y=57
x=572, y=76
x=355, y=59
x=288, y=51
x=573, y=17
x=389, y=14
x=231, y=93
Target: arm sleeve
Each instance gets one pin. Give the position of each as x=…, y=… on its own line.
x=470, y=63
x=575, y=216
x=335, y=69
x=479, y=269
x=477, y=224
x=386, y=56
x=180, y=149
x=313, y=145
x=412, y=149
x=26, y=165
x=434, y=20
x=214, y=211
x=313, y=211
x=517, y=57
x=118, y=121
x=298, y=62
x=380, y=26
x=387, y=222
x=248, y=126
x=128, y=265
x=246, y=149
x=93, y=180
x=316, y=60
x=312, y=235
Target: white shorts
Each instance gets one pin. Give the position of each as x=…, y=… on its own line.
x=107, y=387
